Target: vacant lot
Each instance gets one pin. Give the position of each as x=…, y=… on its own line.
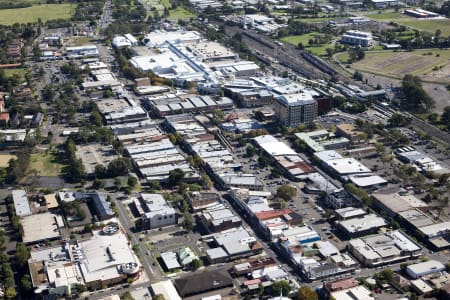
x=46, y=164
x=430, y=65
x=304, y=39
x=5, y=158
x=430, y=25
x=32, y=14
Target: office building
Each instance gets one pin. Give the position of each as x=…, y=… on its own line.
x=357, y=38
x=294, y=109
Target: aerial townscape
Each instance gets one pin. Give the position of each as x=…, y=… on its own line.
x=225, y=149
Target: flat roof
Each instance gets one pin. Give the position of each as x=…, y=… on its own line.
x=355, y=293
x=21, y=205
x=40, y=227
x=426, y=267
x=398, y=203
x=435, y=230
x=367, y=222
x=167, y=289
x=416, y=217
x=349, y=212
x=273, y=146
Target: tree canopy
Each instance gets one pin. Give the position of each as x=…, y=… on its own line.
x=415, y=98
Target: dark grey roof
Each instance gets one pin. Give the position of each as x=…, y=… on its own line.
x=203, y=282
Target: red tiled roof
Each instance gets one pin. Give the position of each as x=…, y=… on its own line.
x=253, y=281
x=271, y=214
x=4, y=116
x=342, y=284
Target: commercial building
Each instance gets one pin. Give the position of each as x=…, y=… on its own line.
x=199, y=201
x=349, y=212
x=359, y=292
x=41, y=227
x=395, y=203
x=285, y=157
x=21, y=205
x=124, y=41
x=156, y=159
x=424, y=268
x=383, y=249
x=357, y=38
x=272, y=223
x=218, y=218
x=171, y=104
x=295, y=109
x=253, y=264
x=368, y=182
x=203, y=282
x=170, y=261
x=422, y=161
x=165, y=288
x=321, y=140
x=339, y=166
x=349, y=131
x=420, y=13
x=338, y=198
x=232, y=244
x=158, y=212
x=361, y=226
x=82, y=51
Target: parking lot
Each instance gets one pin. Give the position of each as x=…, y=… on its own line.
x=95, y=154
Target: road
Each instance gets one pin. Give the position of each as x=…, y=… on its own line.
x=146, y=260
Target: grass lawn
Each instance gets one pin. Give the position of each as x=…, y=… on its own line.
x=5, y=158
x=431, y=65
x=420, y=24
x=81, y=40
x=32, y=14
x=47, y=164
x=304, y=38
x=20, y=71
x=314, y=20
x=180, y=13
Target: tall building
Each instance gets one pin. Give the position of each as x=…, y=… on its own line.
x=295, y=109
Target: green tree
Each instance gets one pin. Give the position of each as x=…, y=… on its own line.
x=159, y=297
x=286, y=192
x=127, y=296
x=306, y=293
x=280, y=285
x=26, y=284
x=398, y=120
x=188, y=223
x=415, y=97
x=132, y=181
x=176, y=176
x=250, y=151
x=119, y=167
x=196, y=264
x=95, y=118
x=22, y=255
x=218, y=116
x=98, y=184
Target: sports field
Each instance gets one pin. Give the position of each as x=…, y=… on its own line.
x=32, y=14
x=430, y=25
x=430, y=65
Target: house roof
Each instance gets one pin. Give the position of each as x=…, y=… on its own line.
x=205, y=281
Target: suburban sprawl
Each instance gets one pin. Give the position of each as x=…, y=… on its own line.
x=225, y=150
